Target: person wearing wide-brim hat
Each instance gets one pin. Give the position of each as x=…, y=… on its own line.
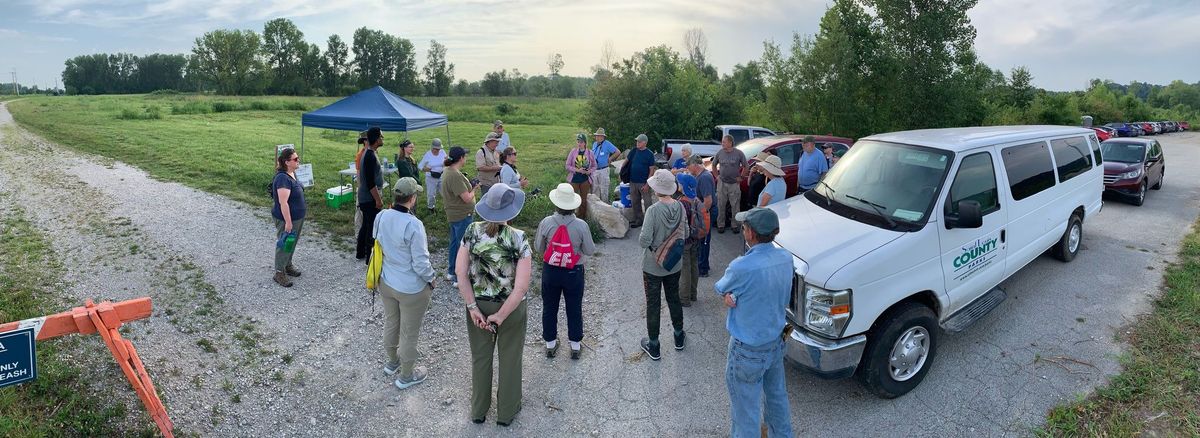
x=776, y=189
x=498, y=128
x=606, y=153
x=665, y=221
x=487, y=161
x=494, y=270
x=565, y=242
x=432, y=164
x=406, y=283
x=757, y=180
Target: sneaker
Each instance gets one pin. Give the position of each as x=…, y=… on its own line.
x=418, y=376
x=552, y=351
x=680, y=338
x=703, y=275
x=721, y=230
x=450, y=277
x=574, y=354
x=282, y=279
x=391, y=368
x=651, y=348
x=454, y=284
x=291, y=271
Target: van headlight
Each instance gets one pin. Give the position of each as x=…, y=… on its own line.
x=826, y=311
x=1131, y=174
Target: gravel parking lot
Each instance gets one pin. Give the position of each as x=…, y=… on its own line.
x=306, y=361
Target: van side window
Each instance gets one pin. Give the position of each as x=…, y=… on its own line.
x=1029, y=169
x=1097, y=157
x=975, y=181
x=1072, y=156
x=739, y=135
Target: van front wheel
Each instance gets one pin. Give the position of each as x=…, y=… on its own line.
x=1072, y=239
x=899, y=352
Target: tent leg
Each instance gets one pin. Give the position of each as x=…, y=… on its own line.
x=302, y=140
x=448, y=134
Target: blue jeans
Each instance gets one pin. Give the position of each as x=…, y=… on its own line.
x=457, y=230
x=702, y=251
x=754, y=375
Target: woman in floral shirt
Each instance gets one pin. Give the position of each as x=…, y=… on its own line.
x=494, y=267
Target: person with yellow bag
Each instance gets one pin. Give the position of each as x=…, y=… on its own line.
x=403, y=275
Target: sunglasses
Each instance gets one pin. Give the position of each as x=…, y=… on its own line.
x=295, y=158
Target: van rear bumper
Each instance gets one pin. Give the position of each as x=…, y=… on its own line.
x=830, y=359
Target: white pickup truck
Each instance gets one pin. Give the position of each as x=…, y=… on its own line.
x=912, y=232
x=671, y=147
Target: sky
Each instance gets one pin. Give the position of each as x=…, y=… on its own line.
x=1064, y=43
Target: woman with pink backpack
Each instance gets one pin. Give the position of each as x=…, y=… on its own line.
x=564, y=241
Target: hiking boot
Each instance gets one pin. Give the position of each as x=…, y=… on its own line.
x=651, y=348
x=574, y=354
x=686, y=302
x=282, y=279
x=291, y=271
x=680, y=337
x=552, y=351
x=721, y=230
x=418, y=376
x=391, y=368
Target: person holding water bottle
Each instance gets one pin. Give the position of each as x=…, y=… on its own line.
x=288, y=211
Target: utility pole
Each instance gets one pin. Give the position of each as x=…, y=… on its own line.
x=15, y=85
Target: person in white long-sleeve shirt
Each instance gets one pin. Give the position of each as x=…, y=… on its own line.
x=433, y=163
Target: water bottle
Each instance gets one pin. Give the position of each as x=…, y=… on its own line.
x=287, y=242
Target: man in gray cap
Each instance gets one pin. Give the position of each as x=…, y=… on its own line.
x=756, y=287
x=498, y=128
x=433, y=163
x=487, y=162
x=641, y=161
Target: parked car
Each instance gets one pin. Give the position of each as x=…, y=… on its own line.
x=1112, y=133
x=1102, y=133
x=1123, y=129
x=927, y=223
x=1131, y=166
x=1136, y=130
x=1148, y=128
x=788, y=148
x=709, y=147
x=1184, y=126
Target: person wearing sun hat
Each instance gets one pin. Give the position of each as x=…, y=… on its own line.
x=494, y=271
x=498, y=128
x=487, y=162
x=406, y=284
x=433, y=163
x=605, y=153
x=756, y=288
x=559, y=277
x=757, y=180
x=663, y=220
x=776, y=189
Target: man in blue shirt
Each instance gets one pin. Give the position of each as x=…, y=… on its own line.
x=706, y=193
x=642, y=162
x=605, y=153
x=813, y=166
x=756, y=288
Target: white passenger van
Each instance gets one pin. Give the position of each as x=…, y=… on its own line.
x=911, y=233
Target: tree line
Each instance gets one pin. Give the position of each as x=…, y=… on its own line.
x=280, y=62
x=873, y=66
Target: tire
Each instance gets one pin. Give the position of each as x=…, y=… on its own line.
x=1068, y=245
x=1140, y=197
x=1161, y=177
x=916, y=326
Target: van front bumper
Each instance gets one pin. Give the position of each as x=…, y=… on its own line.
x=830, y=359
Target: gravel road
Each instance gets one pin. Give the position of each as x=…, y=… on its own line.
x=235, y=355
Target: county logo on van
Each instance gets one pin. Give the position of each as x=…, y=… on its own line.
x=977, y=249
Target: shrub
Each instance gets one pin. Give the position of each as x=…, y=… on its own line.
x=192, y=107
x=505, y=108
x=164, y=92
x=150, y=113
x=224, y=107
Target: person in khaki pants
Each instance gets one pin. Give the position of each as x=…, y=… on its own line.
x=494, y=268
x=406, y=282
x=728, y=167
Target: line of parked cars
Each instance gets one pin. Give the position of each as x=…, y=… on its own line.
x=1138, y=129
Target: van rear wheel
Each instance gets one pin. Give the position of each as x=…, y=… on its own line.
x=900, y=351
x=1068, y=246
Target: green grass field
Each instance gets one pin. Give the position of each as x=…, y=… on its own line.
x=1158, y=392
x=226, y=145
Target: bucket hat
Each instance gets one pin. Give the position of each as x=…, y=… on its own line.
x=501, y=203
x=663, y=182
x=599, y=131
x=772, y=165
x=564, y=197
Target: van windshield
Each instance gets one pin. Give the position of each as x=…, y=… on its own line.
x=888, y=185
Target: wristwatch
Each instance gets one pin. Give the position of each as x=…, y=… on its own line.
x=472, y=306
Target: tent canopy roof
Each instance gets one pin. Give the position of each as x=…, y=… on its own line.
x=374, y=107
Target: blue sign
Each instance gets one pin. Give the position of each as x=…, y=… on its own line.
x=18, y=356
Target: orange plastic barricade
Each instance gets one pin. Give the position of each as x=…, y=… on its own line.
x=105, y=318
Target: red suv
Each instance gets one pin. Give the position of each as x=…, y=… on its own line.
x=788, y=148
x=1131, y=166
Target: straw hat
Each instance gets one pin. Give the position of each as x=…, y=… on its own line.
x=501, y=203
x=564, y=197
x=663, y=182
x=772, y=165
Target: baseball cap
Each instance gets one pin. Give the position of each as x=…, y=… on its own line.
x=407, y=186
x=761, y=220
x=497, y=124
x=808, y=139
x=581, y=138
x=437, y=143
x=456, y=153
x=642, y=137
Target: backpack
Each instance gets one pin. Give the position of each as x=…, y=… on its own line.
x=624, y=173
x=697, y=220
x=671, y=251
x=560, y=252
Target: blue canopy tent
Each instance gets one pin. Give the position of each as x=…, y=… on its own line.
x=373, y=107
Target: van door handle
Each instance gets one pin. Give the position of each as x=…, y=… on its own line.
x=1001, y=235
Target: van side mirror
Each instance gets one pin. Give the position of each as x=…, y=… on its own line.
x=969, y=215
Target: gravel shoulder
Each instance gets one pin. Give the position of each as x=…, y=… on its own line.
x=235, y=355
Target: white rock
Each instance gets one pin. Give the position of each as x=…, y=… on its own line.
x=611, y=219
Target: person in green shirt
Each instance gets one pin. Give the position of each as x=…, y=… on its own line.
x=458, y=195
x=405, y=165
